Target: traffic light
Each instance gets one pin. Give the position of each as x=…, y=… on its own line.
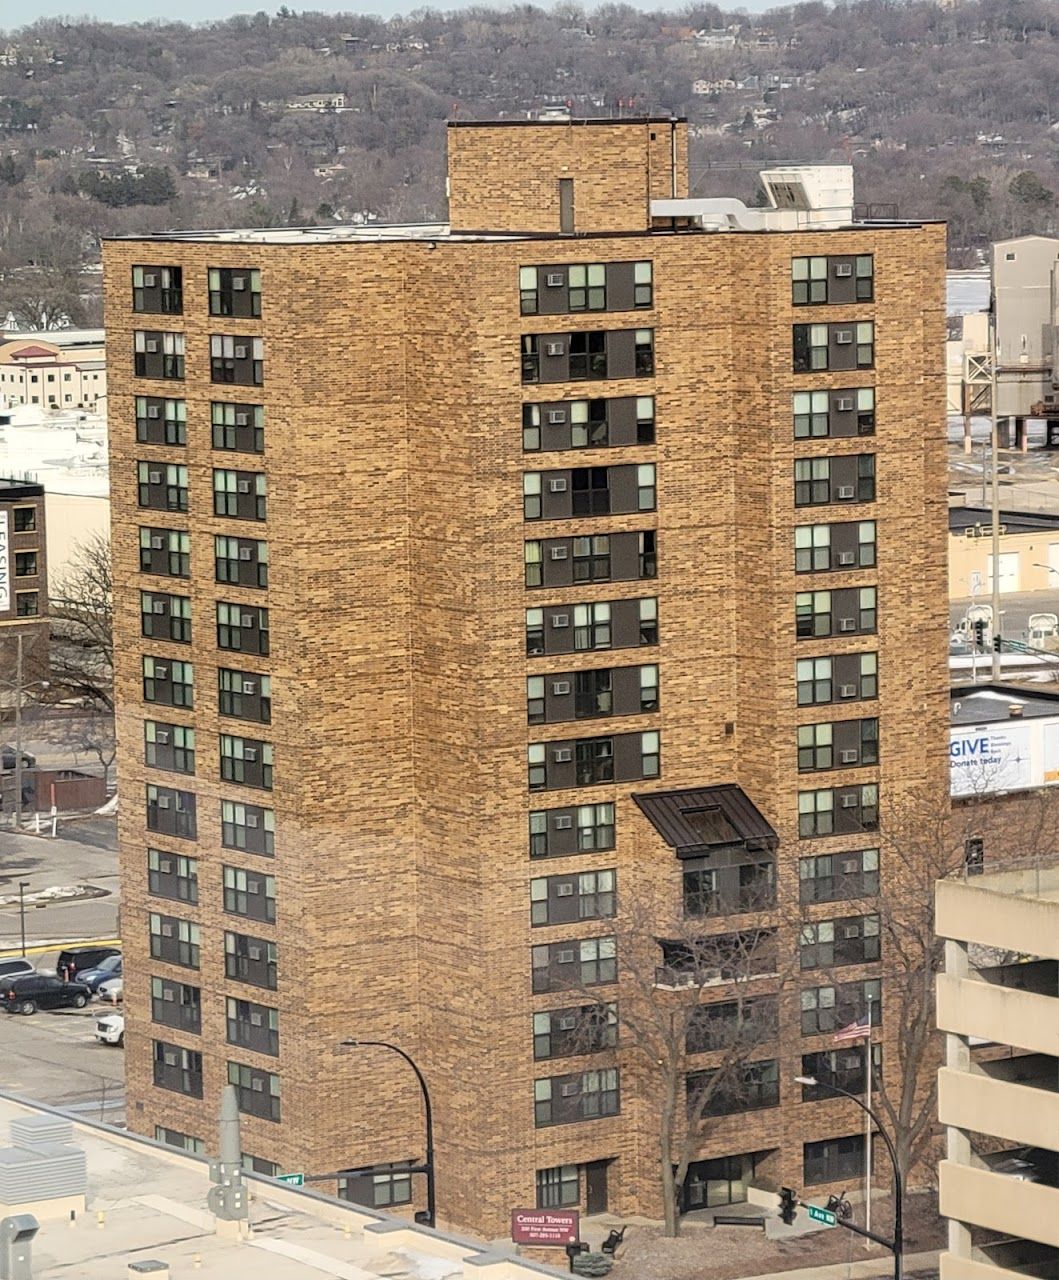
x=979, y=633
x=997, y=642
x=788, y=1205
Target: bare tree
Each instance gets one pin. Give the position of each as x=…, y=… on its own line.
x=696, y=1014
x=82, y=628
x=96, y=737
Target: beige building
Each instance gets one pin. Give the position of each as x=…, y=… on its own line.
x=999, y=1103
x=477, y=585
x=59, y=369
x=1029, y=553
x=1025, y=277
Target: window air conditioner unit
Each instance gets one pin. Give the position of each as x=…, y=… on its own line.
x=157, y=544
x=239, y=283
x=554, y=348
x=256, y=1020
x=851, y=931
x=563, y=755
x=847, y=624
x=254, y=953
x=559, y=553
x=160, y=671
x=560, y=688
x=161, y=736
x=243, y=486
x=556, y=417
x=563, y=822
x=567, y=1022
x=571, y=1090
x=251, y=819
x=850, y=867
x=149, y=281
x=151, y=345
x=250, y=754
x=153, y=411
x=844, y=337
x=154, y=477
x=843, y=270
x=163, y=803
x=848, y=757
x=564, y=890
x=560, y=620
x=249, y=686
x=849, y=802
x=844, y=404
x=246, y=553
x=557, y=486
x=846, y=557
x=246, y=620
x=158, y=606
x=846, y=491
x=564, y=957
x=242, y=419
x=847, y=690
x=241, y=353
x=554, y=279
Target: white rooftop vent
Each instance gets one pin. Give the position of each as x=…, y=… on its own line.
x=801, y=196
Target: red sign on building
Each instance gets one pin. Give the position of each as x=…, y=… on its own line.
x=545, y=1226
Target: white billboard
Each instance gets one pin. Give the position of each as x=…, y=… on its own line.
x=5, y=564
x=1006, y=756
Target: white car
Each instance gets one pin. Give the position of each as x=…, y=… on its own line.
x=110, y=1029
x=110, y=991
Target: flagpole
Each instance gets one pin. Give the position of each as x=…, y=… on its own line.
x=867, y=1141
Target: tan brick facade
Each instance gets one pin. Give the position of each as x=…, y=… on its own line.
x=393, y=451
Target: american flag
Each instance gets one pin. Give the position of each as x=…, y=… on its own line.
x=855, y=1031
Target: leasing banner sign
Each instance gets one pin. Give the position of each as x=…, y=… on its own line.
x=5, y=563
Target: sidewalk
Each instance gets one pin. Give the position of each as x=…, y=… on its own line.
x=858, y=1270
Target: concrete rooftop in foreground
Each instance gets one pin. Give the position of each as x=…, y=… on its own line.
x=148, y=1202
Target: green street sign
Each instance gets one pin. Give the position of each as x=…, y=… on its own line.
x=822, y=1215
x=298, y=1180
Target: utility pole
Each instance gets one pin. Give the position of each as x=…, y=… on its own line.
x=18, y=732
x=23, y=885
x=994, y=449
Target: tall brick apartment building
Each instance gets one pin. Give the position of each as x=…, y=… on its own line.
x=436, y=546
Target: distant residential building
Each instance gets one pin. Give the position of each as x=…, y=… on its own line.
x=997, y=1098
x=705, y=87
x=23, y=576
x=58, y=369
x=717, y=39
x=317, y=102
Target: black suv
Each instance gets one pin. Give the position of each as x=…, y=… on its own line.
x=38, y=991
x=70, y=963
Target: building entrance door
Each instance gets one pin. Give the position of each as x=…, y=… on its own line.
x=596, y=1186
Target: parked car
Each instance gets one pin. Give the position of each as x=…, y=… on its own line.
x=7, y=758
x=71, y=963
x=30, y=992
x=11, y=968
x=110, y=1029
x=112, y=990
x=108, y=968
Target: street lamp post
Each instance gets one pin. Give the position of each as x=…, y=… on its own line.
x=427, y=1167
x=23, y=885
x=897, y=1244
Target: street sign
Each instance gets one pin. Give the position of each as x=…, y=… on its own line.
x=821, y=1215
x=545, y=1226
x=291, y=1179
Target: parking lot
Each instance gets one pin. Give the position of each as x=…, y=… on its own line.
x=54, y=1058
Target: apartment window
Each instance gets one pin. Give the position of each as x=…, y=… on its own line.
x=727, y=890
x=377, y=1190
x=590, y=962
x=833, y=1160
x=847, y=676
x=755, y=1088
x=243, y=495
x=645, y=353
x=819, y=548
x=812, y=482
x=238, y=427
x=587, y=287
x=812, y=548
x=161, y=421
x=838, y=414
x=246, y=760
x=587, y=761
x=843, y=1067
x=837, y=744
x=255, y=1164
x=25, y=519
x=832, y=877
x=175, y=1004
x=531, y=496
x=242, y=628
x=558, y=1187
x=26, y=564
x=588, y=828
x=645, y=487
x=810, y=347
x=527, y=289
x=814, y=680
x=531, y=358
x=829, y=1008
x=250, y=960
x=594, y=761
x=593, y=286
x=182, y=1141
x=838, y=811
x=850, y=940
x=236, y=359
x=248, y=827
x=819, y=347
x=163, y=486
x=245, y=694
x=588, y=1095
x=864, y=273
x=177, y=1069
x=564, y=1033
x=826, y=613
x=168, y=682
x=175, y=941
x=589, y=895
x=254, y=1026
x=171, y=812
x=865, y=335
x=27, y=604
x=808, y=280
x=166, y=552
x=250, y=894
x=234, y=292
x=257, y=1091
x=587, y=356
x=158, y=355
x=241, y=561
x=158, y=289
x=169, y=746
x=591, y=558
x=171, y=875
x=643, y=284
x=730, y=1023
